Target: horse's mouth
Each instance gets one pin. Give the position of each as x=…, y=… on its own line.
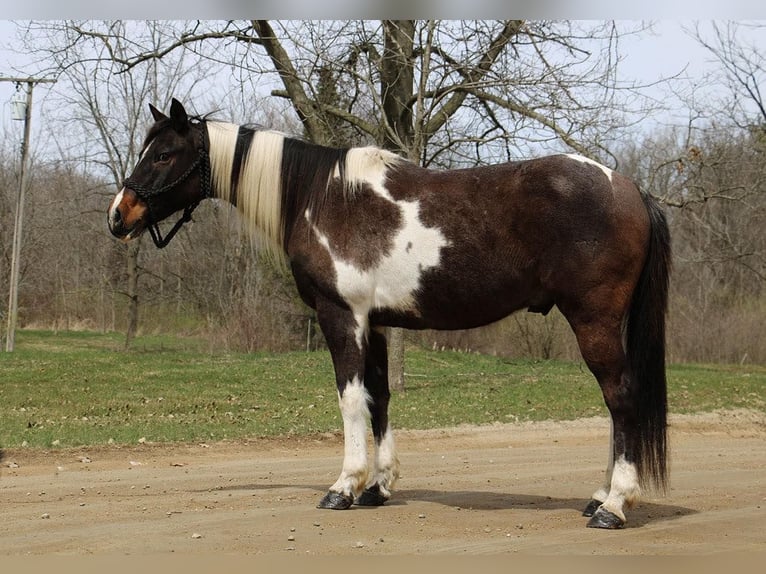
x=134, y=233
x=128, y=234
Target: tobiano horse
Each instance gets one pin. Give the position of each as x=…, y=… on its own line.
x=374, y=241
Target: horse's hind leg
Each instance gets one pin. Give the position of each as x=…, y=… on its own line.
x=602, y=493
x=600, y=341
x=386, y=464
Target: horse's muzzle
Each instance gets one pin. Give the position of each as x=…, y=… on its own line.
x=125, y=216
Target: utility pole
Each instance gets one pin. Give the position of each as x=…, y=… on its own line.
x=13, y=296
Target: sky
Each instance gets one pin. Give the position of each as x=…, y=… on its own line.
x=665, y=51
x=328, y=9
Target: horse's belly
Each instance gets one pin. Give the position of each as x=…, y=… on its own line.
x=472, y=303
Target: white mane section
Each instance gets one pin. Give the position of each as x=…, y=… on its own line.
x=259, y=197
x=259, y=194
x=367, y=165
x=223, y=139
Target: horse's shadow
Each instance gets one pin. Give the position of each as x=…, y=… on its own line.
x=643, y=513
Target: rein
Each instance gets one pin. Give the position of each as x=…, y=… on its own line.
x=147, y=194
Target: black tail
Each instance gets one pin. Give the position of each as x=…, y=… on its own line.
x=645, y=344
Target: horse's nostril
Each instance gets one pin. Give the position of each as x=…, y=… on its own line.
x=116, y=217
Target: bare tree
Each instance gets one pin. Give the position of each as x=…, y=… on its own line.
x=742, y=71
x=470, y=78
x=443, y=93
x=105, y=109
x=713, y=174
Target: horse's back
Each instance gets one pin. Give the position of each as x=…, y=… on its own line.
x=522, y=235
x=463, y=248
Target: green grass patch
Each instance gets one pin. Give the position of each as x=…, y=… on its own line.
x=73, y=389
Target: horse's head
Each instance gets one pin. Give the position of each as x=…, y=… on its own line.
x=173, y=173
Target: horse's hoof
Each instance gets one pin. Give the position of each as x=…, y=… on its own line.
x=602, y=518
x=371, y=497
x=592, y=507
x=336, y=501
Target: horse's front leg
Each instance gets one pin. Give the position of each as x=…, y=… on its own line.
x=346, y=334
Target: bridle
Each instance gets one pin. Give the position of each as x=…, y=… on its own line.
x=148, y=194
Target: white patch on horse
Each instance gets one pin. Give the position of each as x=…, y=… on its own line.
x=393, y=282
x=624, y=489
x=386, y=465
x=583, y=159
x=354, y=408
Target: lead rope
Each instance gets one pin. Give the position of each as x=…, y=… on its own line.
x=154, y=228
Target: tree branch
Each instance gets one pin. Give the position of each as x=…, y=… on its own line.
x=128, y=63
x=302, y=104
x=447, y=110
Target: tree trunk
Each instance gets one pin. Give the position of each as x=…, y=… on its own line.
x=397, y=78
x=397, y=81
x=395, y=338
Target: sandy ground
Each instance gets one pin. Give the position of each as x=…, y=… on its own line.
x=515, y=488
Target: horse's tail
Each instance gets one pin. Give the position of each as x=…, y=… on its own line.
x=645, y=348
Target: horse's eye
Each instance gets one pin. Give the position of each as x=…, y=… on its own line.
x=164, y=156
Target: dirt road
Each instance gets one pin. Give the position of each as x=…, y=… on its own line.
x=486, y=490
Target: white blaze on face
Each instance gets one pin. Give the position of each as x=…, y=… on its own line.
x=113, y=215
x=115, y=204
x=145, y=152
x=583, y=159
x=356, y=413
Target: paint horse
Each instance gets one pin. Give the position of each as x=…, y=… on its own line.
x=374, y=241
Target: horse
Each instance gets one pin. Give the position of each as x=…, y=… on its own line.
x=375, y=241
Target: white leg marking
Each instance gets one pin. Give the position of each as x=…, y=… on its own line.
x=583, y=159
x=354, y=408
x=602, y=493
x=362, y=326
x=624, y=491
x=386, y=469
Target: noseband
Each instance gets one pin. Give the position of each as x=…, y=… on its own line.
x=148, y=194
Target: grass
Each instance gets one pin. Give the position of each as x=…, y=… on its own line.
x=79, y=388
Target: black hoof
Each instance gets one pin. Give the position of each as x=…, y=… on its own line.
x=371, y=497
x=604, y=519
x=592, y=507
x=336, y=501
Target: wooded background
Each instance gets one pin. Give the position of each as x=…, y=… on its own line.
x=444, y=94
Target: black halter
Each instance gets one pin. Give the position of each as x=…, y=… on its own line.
x=147, y=194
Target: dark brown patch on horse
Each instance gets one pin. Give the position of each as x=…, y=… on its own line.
x=376, y=222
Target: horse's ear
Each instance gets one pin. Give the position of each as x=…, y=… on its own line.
x=157, y=114
x=178, y=117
